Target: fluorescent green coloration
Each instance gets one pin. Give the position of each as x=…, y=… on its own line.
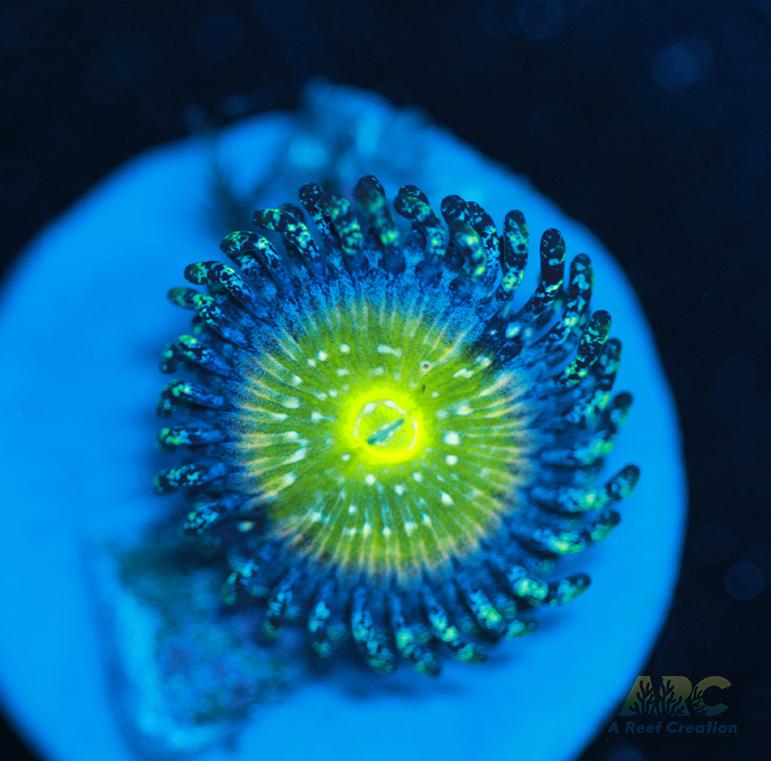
x=379, y=440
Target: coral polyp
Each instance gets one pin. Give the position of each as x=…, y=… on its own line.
x=392, y=450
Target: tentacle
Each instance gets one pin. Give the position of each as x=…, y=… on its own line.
x=347, y=231
x=552, y=253
x=370, y=638
x=311, y=197
x=589, y=349
x=535, y=591
x=193, y=350
x=483, y=225
x=489, y=618
x=208, y=512
x=191, y=435
x=255, y=256
x=325, y=627
x=295, y=235
x=577, y=302
x=279, y=604
x=571, y=501
x=514, y=248
x=554, y=542
x=597, y=394
x=465, y=247
x=412, y=204
x=371, y=198
x=222, y=278
x=180, y=393
x=192, y=475
x=447, y=632
x=409, y=640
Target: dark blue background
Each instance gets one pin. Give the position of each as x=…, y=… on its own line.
x=649, y=121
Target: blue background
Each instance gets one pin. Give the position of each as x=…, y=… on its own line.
x=648, y=121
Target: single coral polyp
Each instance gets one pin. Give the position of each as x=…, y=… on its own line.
x=390, y=449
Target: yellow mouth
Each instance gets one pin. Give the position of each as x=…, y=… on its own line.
x=383, y=425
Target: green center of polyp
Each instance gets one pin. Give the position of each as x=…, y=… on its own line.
x=379, y=440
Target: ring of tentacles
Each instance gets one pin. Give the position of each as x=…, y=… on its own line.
x=391, y=449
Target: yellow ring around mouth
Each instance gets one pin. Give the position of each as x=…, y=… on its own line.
x=383, y=425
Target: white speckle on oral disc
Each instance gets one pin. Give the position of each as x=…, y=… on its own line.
x=370, y=479
x=298, y=456
x=451, y=438
x=344, y=348
x=451, y=459
x=352, y=509
x=446, y=499
x=386, y=349
x=286, y=480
